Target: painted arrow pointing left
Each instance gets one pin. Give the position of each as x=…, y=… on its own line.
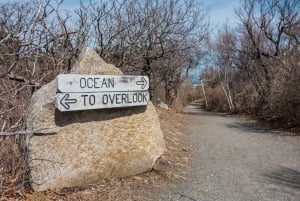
x=65, y=101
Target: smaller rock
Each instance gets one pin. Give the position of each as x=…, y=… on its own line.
x=161, y=104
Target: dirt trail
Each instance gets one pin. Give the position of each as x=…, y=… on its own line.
x=235, y=159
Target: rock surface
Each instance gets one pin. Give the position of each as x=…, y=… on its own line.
x=83, y=147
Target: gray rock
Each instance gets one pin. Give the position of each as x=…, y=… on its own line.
x=161, y=104
x=83, y=147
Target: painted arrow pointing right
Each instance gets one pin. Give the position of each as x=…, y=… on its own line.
x=143, y=82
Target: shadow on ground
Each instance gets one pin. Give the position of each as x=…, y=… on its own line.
x=284, y=176
x=252, y=127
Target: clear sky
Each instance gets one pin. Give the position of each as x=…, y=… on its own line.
x=221, y=11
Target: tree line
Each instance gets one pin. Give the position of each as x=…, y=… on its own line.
x=254, y=67
x=40, y=39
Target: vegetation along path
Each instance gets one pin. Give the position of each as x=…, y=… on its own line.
x=235, y=159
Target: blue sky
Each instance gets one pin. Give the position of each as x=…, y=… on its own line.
x=220, y=10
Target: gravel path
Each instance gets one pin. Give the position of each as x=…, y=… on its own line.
x=234, y=159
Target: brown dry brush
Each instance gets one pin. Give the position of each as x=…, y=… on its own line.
x=285, y=93
x=39, y=39
x=258, y=63
x=160, y=39
x=35, y=45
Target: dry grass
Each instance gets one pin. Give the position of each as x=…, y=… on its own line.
x=12, y=174
x=168, y=170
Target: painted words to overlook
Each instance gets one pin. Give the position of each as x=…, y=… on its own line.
x=86, y=101
x=115, y=98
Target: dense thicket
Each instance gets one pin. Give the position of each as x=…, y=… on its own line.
x=255, y=67
x=160, y=39
x=35, y=45
x=39, y=39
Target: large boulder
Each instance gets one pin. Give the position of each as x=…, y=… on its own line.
x=83, y=147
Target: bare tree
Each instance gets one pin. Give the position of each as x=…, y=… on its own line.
x=36, y=43
x=268, y=29
x=147, y=37
x=263, y=72
x=223, y=58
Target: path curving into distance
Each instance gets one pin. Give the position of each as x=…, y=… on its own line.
x=235, y=159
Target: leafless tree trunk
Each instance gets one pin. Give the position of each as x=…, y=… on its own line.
x=204, y=94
